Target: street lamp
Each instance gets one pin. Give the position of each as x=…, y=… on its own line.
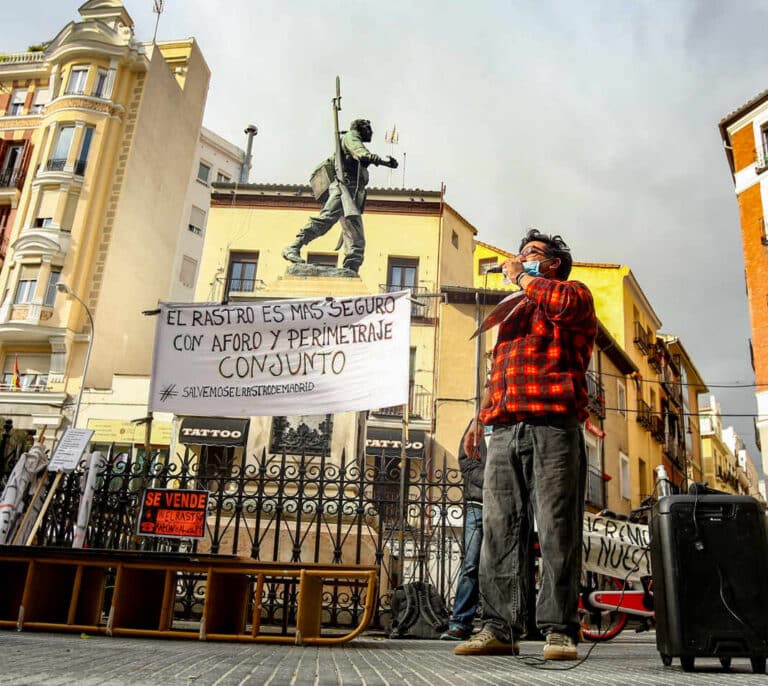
x=63, y=288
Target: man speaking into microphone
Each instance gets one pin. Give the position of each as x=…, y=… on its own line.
x=536, y=400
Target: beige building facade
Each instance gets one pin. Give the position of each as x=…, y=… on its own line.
x=109, y=128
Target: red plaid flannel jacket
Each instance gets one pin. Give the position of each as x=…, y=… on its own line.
x=542, y=353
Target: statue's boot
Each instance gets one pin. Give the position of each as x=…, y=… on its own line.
x=291, y=252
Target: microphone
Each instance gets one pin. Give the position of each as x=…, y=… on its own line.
x=495, y=270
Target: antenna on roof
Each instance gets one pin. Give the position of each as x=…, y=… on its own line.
x=157, y=8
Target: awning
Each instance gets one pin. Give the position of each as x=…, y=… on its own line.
x=213, y=431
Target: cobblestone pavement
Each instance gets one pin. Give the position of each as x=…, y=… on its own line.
x=52, y=659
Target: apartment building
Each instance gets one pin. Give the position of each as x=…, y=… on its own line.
x=745, y=140
x=98, y=134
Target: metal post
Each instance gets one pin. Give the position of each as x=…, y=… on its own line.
x=403, y=493
x=245, y=170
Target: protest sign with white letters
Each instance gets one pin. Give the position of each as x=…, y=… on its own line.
x=282, y=357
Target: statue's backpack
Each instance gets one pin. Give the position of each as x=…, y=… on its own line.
x=418, y=611
x=321, y=178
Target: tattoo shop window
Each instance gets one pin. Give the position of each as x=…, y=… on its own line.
x=241, y=275
x=308, y=434
x=322, y=259
x=486, y=263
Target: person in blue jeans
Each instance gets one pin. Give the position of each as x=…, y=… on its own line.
x=468, y=589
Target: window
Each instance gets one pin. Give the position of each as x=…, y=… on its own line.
x=401, y=274
x=196, y=220
x=61, y=148
x=222, y=178
x=621, y=398
x=99, y=87
x=308, y=434
x=203, y=172
x=454, y=239
x=485, y=264
x=11, y=162
x=642, y=477
x=242, y=272
x=43, y=222
x=85, y=147
x=76, y=83
x=33, y=371
x=323, y=259
x=762, y=158
x=50, y=291
x=626, y=492
x=16, y=105
x=188, y=270
x=42, y=97
x=25, y=290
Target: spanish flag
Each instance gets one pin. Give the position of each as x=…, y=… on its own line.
x=16, y=378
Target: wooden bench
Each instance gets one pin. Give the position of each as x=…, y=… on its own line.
x=60, y=589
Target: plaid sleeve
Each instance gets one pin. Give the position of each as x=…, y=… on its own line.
x=569, y=303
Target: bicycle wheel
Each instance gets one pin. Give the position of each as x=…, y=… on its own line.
x=598, y=624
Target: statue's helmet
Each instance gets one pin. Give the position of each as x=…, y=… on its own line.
x=358, y=124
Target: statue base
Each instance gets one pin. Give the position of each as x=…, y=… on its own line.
x=305, y=269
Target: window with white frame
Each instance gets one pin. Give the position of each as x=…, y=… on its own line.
x=85, y=148
x=621, y=398
x=77, y=79
x=16, y=105
x=61, y=148
x=197, y=220
x=624, y=483
x=188, y=270
x=50, y=291
x=100, y=85
x=25, y=289
x=203, y=172
x=33, y=371
x=41, y=99
x=221, y=177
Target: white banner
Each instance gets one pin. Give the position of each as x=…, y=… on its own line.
x=282, y=357
x=616, y=548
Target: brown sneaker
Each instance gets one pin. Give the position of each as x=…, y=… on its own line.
x=559, y=647
x=485, y=643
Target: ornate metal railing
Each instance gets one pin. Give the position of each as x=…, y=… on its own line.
x=297, y=508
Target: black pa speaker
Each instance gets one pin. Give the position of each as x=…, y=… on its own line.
x=709, y=555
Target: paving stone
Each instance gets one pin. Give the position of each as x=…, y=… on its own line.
x=62, y=659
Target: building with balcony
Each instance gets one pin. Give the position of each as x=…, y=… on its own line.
x=98, y=134
x=721, y=467
x=745, y=139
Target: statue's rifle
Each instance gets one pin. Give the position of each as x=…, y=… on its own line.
x=347, y=201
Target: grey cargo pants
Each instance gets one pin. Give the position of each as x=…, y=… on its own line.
x=536, y=467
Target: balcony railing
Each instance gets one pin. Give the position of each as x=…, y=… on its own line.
x=595, y=395
x=420, y=406
x=655, y=357
x=674, y=391
x=12, y=178
x=422, y=301
x=657, y=429
x=641, y=338
x=55, y=164
x=644, y=414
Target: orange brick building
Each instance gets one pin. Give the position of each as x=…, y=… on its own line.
x=745, y=137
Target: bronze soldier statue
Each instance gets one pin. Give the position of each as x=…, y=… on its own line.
x=345, y=194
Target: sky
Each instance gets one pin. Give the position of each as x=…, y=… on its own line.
x=597, y=120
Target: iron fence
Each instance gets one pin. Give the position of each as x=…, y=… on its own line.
x=283, y=507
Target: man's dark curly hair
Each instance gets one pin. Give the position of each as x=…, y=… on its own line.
x=556, y=247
